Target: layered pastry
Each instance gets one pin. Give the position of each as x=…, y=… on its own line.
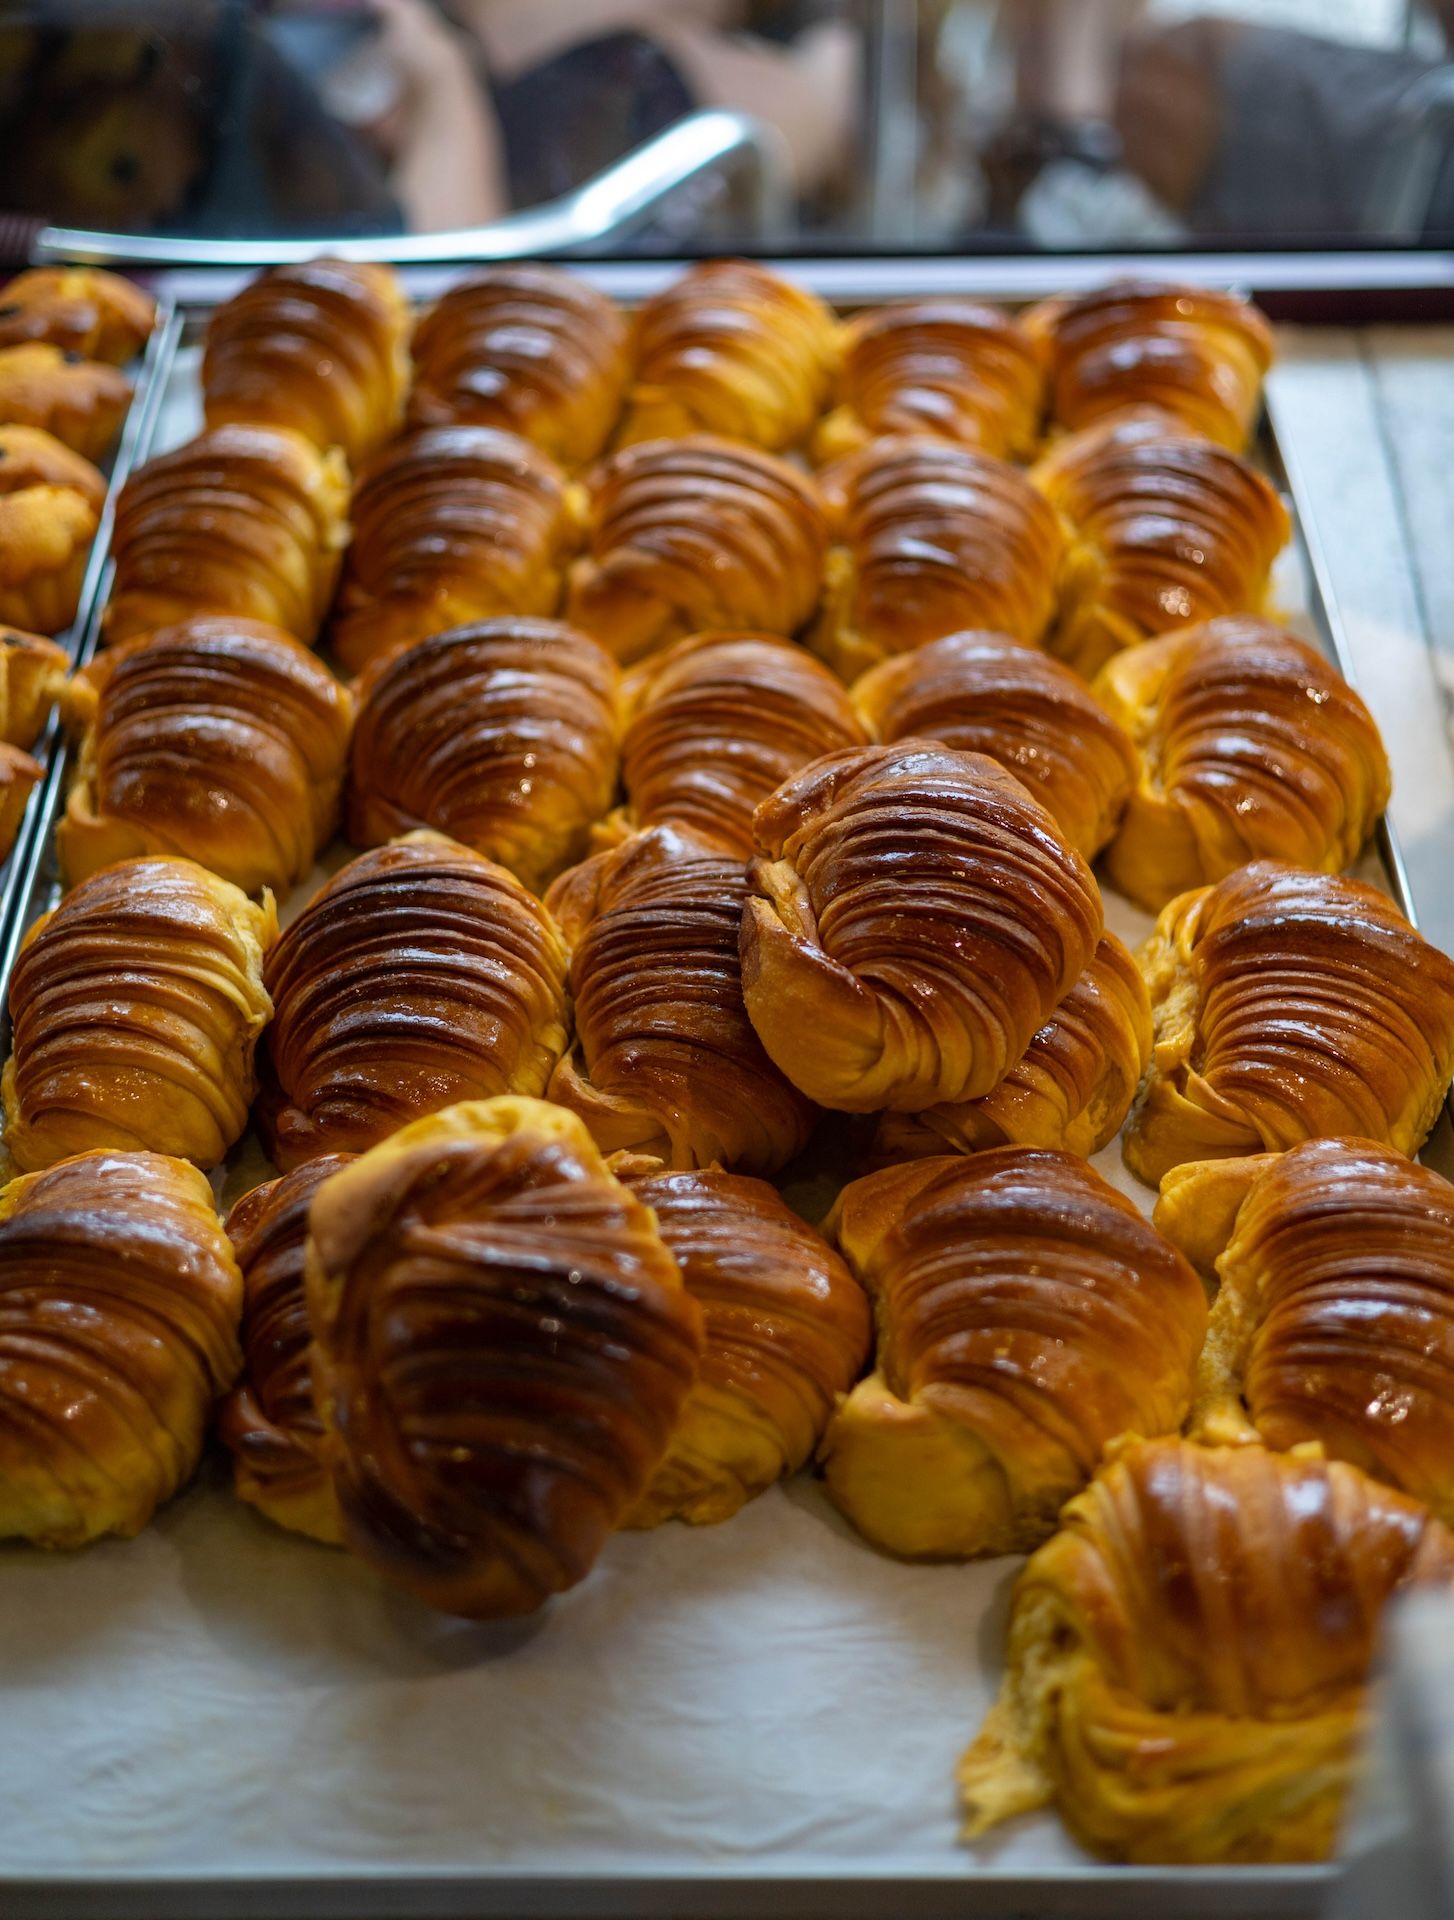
x=81, y=402
x=451, y=524
x=219, y=739
x=786, y=1333
x=665, y=1060
x=1025, y=1314
x=1252, y=747
x=1288, y=1005
x=915, y=918
x=135, y=1008
x=119, y=1301
x=691, y=535
x=502, y=1347
x=1189, y=1656
x=420, y=975
x=20, y=774
x=502, y=735
x=248, y=521
x=50, y=507
x=82, y=310
x=530, y=349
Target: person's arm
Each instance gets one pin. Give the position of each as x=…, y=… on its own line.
x=448, y=169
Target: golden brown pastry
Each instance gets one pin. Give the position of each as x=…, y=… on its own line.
x=119, y=1301
x=933, y=539
x=135, y=1007
x=20, y=774
x=249, y=521
x=981, y=693
x=1253, y=747
x=81, y=402
x=717, y=722
x=451, y=524
x=322, y=348
x=502, y=735
x=786, y=1331
x=915, y=918
x=502, y=1345
x=82, y=310
x=1197, y=353
x=50, y=507
x=688, y=536
x=729, y=348
x=1167, y=530
x=1188, y=1656
x=32, y=674
x=269, y=1422
x=420, y=975
x=531, y=349
x=219, y=739
x=1288, y=1005
x=665, y=1060
x=1026, y=1314
x=952, y=369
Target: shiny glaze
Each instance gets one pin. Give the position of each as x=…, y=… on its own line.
x=81, y=402
x=81, y=310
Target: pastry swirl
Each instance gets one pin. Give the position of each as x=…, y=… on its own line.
x=81, y=403
x=82, y=310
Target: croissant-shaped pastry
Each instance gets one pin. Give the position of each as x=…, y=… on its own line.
x=502, y=735
x=502, y=1346
x=135, y=1007
x=786, y=1331
x=729, y=348
x=665, y=1060
x=322, y=348
x=692, y=535
x=721, y=720
x=534, y=350
x=981, y=693
x=82, y=403
x=1195, y=352
x=1254, y=747
x=915, y=918
x=220, y=740
x=933, y=539
x=952, y=369
x=1188, y=1657
x=420, y=975
x=20, y=774
x=1288, y=1005
x=450, y=525
x=82, y=310
x=32, y=674
x=119, y=1301
x=1167, y=530
x=1026, y=1314
x=50, y=507
x=269, y=1422
x=248, y=521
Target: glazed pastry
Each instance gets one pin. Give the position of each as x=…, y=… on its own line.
x=502, y=735
x=688, y=536
x=450, y=524
x=83, y=310
x=269, y=1422
x=322, y=348
x=81, y=402
x=119, y=1300
x=719, y=721
x=247, y=521
x=786, y=1331
x=20, y=774
x=50, y=507
x=1026, y=1314
x=135, y=1007
x=1196, y=353
x=1288, y=1005
x=952, y=369
x=1167, y=530
x=665, y=1060
x=530, y=349
x=32, y=674
x=933, y=539
x=916, y=917
x=729, y=348
x=1071, y=1088
x=980, y=693
x=218, y=739
x=420, y=975
x=1254, y=747
x=502, y=1345
x=1188, y=1657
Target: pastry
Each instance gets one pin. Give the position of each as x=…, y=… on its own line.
x=502, y=1345
x=420, y=975
x=81, y=402
x=50, y=507
x=82, y=310
x=32, y=674
x=1026, y=1314
x=20, y=774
